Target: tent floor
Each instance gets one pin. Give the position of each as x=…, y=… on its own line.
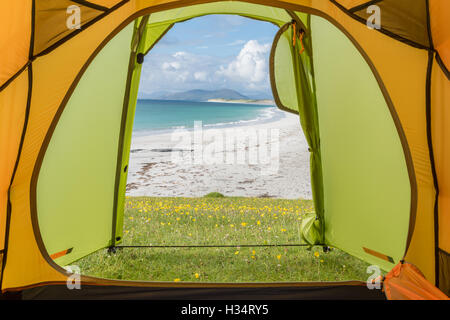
x=332, y=292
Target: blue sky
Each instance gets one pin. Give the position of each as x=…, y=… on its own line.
x=211, y=52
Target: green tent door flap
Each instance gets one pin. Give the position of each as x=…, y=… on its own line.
x=75, y=189
x=367, y=190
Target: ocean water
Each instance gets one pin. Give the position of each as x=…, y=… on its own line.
x=157, y=116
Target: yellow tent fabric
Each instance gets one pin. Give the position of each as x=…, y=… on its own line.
x=40, y=67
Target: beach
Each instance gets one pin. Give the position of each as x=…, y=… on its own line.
x=162, y=166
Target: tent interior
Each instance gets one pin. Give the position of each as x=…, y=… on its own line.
x=363, y=98
x=361, y=152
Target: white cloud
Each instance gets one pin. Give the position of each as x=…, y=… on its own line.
x=171, y=66
x=250, y=65
x=178, y=72
x=183, y=76
x=247, y=72
x=180, y=54
x=201, y=75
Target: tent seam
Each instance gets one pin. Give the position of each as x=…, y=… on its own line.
x=382, y=30
x=363, y=5
x=430, y=144
x=132, y=62
x=22, y=140
x=443, y=66
x=85, y=27
x=91, y=5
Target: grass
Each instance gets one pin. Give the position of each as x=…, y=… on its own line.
x=214, y=195
x=219, y=221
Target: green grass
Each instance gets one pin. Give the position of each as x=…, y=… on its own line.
x=214, y=195
x=219, y=221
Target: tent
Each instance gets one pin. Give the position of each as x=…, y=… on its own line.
x=373, y=104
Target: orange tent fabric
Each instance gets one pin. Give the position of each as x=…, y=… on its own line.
x=406, y=282
x=41, y=63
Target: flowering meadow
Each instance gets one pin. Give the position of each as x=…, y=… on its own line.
x=235, y=222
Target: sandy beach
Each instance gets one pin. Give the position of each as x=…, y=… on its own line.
x=160, y=165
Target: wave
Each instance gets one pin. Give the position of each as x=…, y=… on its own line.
x=267, y=115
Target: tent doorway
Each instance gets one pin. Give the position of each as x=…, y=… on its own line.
x=347, y=147
x=215, y=183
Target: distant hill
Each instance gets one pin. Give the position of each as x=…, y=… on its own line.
x=204, y=95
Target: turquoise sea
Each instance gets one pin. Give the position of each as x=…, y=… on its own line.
x=157, y=116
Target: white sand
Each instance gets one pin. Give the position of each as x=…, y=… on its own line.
x=160, y=173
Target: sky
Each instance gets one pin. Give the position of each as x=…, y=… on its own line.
x=211, y=52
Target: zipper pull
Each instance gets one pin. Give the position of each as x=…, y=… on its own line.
x=302, y=33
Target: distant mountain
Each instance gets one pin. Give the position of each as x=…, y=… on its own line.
x=204, y=95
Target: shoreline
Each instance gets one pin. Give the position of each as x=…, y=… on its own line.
x=153, y=171
x=242, y=123
x=264, y=102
